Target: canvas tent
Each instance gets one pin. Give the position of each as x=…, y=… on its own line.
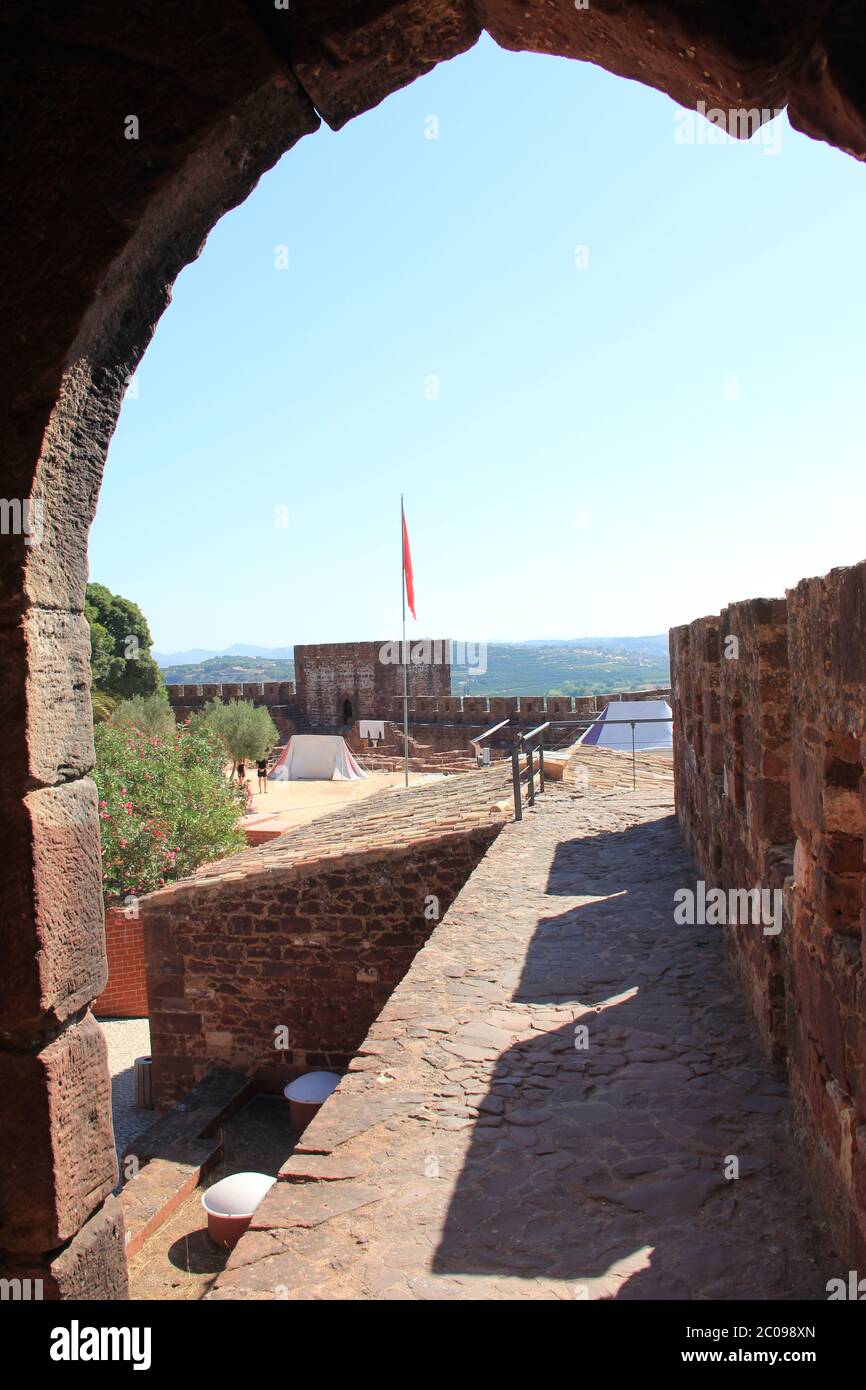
x=316, y=758
x=604, y=732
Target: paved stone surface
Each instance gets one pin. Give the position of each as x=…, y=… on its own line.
x=127, y=1039
x=475, y=1152
x=179, y=1260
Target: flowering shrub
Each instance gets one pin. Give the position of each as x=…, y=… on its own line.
x=165, y=806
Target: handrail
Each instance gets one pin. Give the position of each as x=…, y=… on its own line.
x=479, y=738
x=527, y=742
x=589, y=720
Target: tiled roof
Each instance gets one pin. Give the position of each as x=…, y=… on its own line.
x=394, y=818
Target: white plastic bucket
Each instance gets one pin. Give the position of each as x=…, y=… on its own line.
x=307, y=1093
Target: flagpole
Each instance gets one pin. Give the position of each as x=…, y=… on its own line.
x=405, y=665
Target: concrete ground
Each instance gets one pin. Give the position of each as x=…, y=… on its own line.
x=297, y=803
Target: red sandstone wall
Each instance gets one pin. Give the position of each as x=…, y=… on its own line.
x=768, y=762
x=318, y=951
x=125, y=995
x=826, y=956
x=731, y=706
x=329, y=673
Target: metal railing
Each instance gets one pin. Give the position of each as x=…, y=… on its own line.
x=529, y=743
x=524, y=742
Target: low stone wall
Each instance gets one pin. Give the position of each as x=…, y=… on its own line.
x=125, y=995
x=769, y=703
x=283, y=956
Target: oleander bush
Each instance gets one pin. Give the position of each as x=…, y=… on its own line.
x=165, y=806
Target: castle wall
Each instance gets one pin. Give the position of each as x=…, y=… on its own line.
x=368, y=675
x=769, y=703
x=316, y=950
x=125, y=995
x=383, y=701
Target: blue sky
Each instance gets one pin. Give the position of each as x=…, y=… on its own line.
x=609, y=449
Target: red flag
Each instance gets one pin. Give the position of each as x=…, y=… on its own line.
x=407, y=568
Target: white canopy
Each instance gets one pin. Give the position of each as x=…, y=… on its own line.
x=316, y=758
x=604, y=732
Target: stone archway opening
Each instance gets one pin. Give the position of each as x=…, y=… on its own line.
x=157, y=125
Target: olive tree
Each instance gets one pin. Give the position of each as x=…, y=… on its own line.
x=247, y=730
x=149, y=714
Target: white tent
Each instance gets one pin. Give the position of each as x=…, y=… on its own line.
x=316, y=758
x=604, y=732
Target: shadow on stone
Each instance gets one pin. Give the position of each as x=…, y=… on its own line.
x=601, y=1155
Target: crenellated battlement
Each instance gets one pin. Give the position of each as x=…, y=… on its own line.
x=423, y=709
x=260, y=692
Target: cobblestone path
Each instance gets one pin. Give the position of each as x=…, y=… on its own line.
x=475, y=1152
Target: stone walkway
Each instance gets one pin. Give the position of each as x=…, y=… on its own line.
x=127, y=1039
x=475, y=1152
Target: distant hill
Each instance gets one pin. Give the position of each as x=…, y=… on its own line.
x=584, y=666
x=658, y=643
x=197, y=655
x=581, y=666
x=228, y=668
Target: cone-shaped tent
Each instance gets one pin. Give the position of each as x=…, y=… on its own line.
x=316, y=758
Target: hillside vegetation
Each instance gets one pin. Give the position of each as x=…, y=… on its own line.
x=586, y=667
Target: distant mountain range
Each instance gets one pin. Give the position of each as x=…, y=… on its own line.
x=579, y=666
x=196, y=655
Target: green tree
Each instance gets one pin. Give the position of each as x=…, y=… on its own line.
x=120, y=641
x=102, y=705
x=164, y=806
x=150, y=714
x=247, y=730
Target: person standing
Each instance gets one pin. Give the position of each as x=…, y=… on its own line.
x=262, y=772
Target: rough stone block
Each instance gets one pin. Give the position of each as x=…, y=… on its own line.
x=355, y=65
x=59, y=722
x=57, y=1159
x=53, y=946
x=91, y=1268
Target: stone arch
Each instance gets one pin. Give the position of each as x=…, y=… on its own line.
x=108, y=209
